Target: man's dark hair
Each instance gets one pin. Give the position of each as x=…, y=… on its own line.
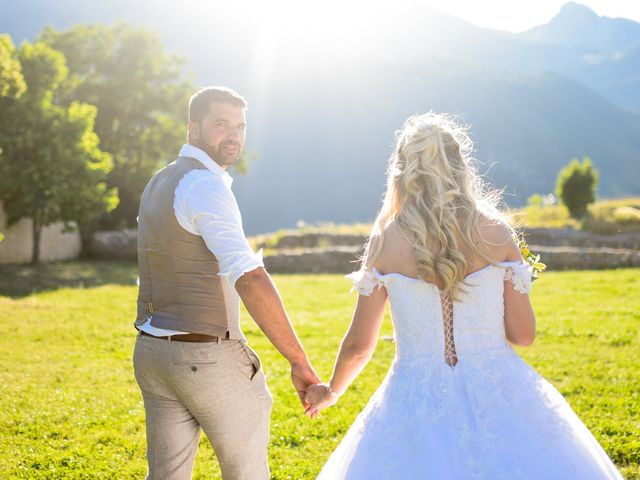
x=200, y=101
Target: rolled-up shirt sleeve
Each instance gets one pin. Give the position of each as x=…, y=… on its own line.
x=205, y=206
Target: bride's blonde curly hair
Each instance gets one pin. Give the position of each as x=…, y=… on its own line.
x=436, y=197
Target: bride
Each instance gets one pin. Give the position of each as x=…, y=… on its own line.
x=457, y=402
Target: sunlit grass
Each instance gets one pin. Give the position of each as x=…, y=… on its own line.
x=70, y=407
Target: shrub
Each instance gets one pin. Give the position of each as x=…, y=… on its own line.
x=627, y=216
x=576, y=186
x=613, y=216
x=548, y=216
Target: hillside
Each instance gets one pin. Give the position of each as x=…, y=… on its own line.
x=327, y=95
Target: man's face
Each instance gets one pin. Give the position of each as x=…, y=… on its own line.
x=221, y=133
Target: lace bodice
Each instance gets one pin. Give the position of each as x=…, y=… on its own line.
x=429, y=324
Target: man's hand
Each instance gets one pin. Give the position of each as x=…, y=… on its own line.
x=302, y=375
x=263, y=303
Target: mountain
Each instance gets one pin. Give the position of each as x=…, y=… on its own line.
x=608, y=50
x=525, y=130
x=578, y=26
x=326, y=96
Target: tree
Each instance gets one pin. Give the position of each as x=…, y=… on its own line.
x=11, y=80
x=576, y=186
x=52, y=168
x=141, y=93
x=12, y=84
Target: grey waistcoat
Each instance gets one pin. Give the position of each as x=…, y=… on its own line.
x=179, y=283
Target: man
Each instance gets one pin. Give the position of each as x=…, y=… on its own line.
x=191, y=359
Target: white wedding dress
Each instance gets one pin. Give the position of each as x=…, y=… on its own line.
x=488, y=416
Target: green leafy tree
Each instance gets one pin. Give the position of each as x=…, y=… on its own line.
x=141, y=93
x=52, y=168
x=11, y=80
x=576, y=186
x=12, y=84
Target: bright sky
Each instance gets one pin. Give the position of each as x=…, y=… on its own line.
x=521, y=15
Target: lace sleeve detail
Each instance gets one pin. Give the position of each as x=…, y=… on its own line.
x=364, y=281
x=519, y=274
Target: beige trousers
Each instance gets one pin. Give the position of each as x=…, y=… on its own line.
x=217, y=387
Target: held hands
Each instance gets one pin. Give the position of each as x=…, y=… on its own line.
x=303, y=375
x=319, y=397
x=314, y=395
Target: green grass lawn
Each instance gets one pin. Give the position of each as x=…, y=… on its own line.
x=70, y=407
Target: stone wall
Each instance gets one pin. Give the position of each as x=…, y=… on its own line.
x=314, y=260
x=554, y=237
x=576, y=258
x=326, y=253
x=566, y=237
x=55, y=244
x=560, y=249
x=316, y=240
x=120, y=244
x=345, y=259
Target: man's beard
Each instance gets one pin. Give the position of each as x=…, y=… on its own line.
x=219, y=155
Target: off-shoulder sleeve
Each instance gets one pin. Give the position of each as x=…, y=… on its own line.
x=519, y=274
x=364, y=281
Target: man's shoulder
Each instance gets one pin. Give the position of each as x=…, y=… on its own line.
x=199, y=186
x=189, y=163
x=183, y=167
x=184, y=173
x=203, y=178
x=180, y=163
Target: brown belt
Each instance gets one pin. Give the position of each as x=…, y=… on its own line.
x=187, y=337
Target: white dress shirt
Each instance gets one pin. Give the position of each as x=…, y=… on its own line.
x=204, y=205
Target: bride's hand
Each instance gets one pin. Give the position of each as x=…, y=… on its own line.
x=319, y=396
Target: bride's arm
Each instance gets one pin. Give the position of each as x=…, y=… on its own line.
x=355, y=352
x=519, y=318
x=361, y=339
